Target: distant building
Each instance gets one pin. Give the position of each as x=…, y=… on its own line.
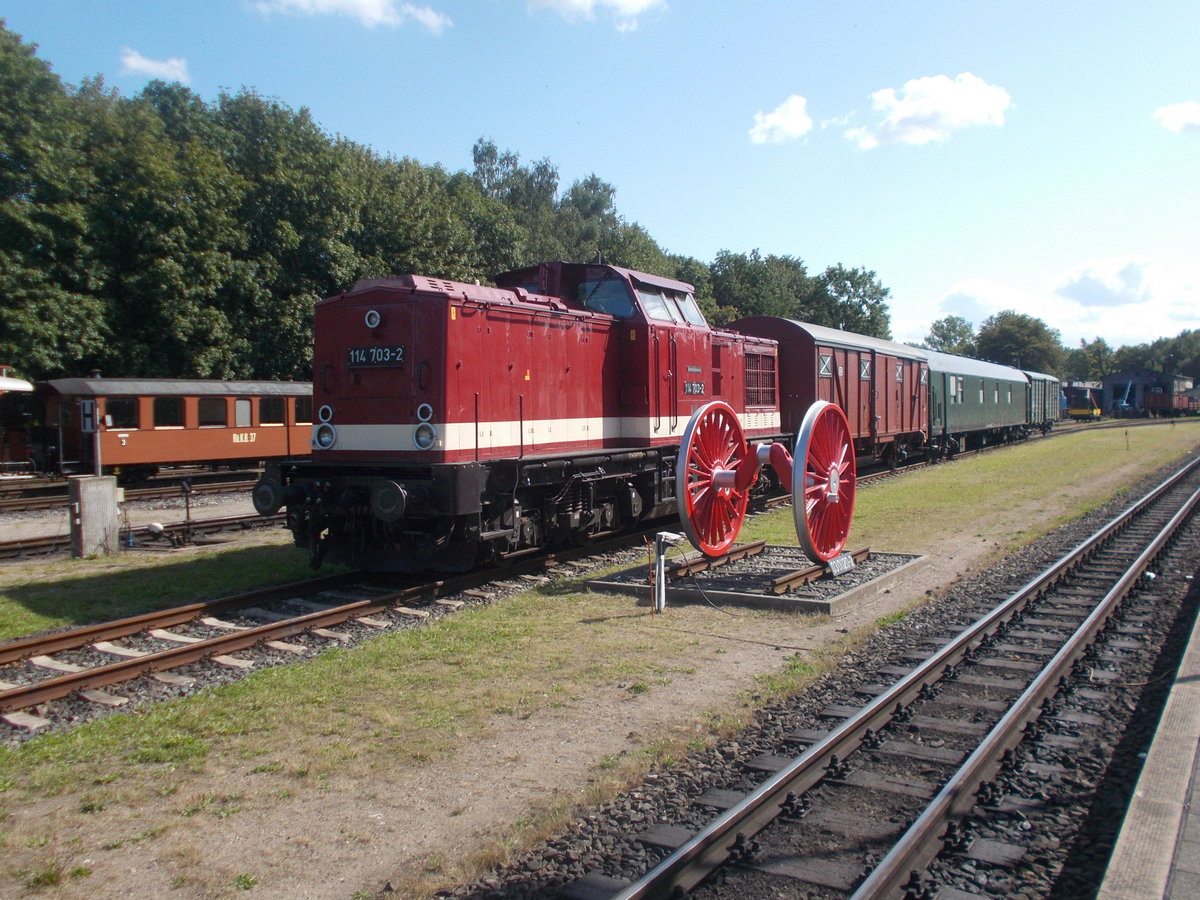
x=1125, y=393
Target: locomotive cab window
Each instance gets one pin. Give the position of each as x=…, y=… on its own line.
x=212, y=412
x=670, y=306
x=121, y=412
x=270, y=411
x=605, y=294
x=168, y=412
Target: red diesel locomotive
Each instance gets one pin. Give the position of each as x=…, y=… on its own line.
x=458, y=423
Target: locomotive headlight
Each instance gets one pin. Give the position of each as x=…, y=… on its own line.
x=425, y=436
x=325, y=413
x=324, y=436
x=373, y=319
x=424, y=412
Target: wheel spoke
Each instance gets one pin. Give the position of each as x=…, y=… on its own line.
x=712, y=442
x=826, y=451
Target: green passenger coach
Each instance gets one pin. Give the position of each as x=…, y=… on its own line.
x=974, y=403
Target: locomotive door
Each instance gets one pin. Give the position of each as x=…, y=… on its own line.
x=681, y=377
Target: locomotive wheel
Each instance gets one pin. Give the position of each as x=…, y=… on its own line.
x=824, y=477
x=711, y=506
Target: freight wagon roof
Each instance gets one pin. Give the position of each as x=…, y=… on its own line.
x=977, y=368
x=778, y=327
x=174, y=387
x=1040, y=376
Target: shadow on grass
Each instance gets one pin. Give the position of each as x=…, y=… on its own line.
x=47, y=602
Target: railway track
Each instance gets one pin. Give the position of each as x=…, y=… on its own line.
x=62, y=678
x=52, y=494
x=43, y=678
x=894, y=778
x=172, y=535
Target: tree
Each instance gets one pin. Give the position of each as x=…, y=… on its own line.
x=754, y=285
x=953, y=334
x=49, y=318
x=162, y=234
x=1089, y=362
x=1015, y=339
x=298, y=213
x=852, y=300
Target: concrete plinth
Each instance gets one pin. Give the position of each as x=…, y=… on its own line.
x=93, y=505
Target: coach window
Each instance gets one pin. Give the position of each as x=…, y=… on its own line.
x=997, y=394
x=304, y=410
x=981, y=392
x=121, y=412
x=168, y=412
x=270, y=411
x=212, y=412
x=241, y=413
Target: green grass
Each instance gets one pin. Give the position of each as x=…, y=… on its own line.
x=39, y=596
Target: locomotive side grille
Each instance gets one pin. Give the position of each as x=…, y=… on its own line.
x=760, y=379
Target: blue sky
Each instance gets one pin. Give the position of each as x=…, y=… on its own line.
x=1036, y=156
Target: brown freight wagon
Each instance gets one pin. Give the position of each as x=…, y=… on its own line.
x=133, y=427
x=881, y=386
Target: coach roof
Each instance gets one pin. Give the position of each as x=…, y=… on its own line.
x=174, y=387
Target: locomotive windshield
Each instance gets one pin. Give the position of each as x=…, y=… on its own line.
x=670, y=306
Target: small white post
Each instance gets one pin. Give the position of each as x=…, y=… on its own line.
x=661, y=541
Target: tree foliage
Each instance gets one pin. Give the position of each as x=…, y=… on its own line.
x=953, y=334
x=1015, y=339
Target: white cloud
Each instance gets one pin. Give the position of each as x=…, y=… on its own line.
x=1180, y=117
x=1113, y=282
x=368, y=12
x=173, y=69
x=788, y=121
x=931, y=109
x=625, y=12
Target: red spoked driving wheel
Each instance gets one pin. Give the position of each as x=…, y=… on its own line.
x=824, y=477
x=712, y=506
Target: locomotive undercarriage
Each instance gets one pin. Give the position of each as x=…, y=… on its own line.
x=453, y=517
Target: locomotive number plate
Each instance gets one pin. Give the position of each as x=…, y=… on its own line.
x=386, y=355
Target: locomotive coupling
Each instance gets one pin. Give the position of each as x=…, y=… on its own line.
x=269, y=496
